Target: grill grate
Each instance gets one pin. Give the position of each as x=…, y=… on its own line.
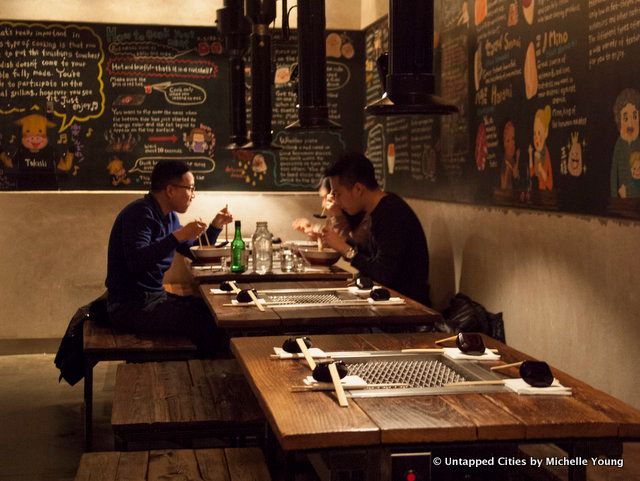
x=417, y=373
x=305, y=298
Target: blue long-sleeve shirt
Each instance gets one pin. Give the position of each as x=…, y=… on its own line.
x=141, y=249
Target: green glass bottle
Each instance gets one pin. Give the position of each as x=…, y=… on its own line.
x=237, y=251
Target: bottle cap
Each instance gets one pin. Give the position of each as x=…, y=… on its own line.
x=237, y=223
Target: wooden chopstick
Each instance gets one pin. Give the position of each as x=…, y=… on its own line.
x=305, y=353
x=475, y=383
x=337, y=384
x=423, y=350
x=452, y=338
x=226, y=226
x=255, y=300
x=234, y=286
x=505, y=366
x=315, y=387
x=200, y=241
x=206, y=237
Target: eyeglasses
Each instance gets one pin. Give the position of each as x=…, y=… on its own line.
x=190, y=188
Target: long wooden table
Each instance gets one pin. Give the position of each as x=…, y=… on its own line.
x=314, y=421
x=310, y=319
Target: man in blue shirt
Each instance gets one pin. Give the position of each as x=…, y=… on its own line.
x=144, y=238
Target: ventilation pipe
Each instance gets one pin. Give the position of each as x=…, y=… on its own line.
x=313, y=112
x=261, y=13
x=410, y=82
x=235, y=28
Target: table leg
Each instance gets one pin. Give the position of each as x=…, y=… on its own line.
x=88, y=405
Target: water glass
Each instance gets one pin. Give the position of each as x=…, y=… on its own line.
x=298, y=263
x=224, y=264
x=286, y=260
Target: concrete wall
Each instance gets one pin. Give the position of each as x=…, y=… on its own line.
x=566, y=284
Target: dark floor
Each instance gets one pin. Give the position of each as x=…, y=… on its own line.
x=41, y=437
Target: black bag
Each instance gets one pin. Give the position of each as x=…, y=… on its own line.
x=465, y=315
x=70, y=356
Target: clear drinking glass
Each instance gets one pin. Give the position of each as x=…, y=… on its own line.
x=286, y=260
x=299, y=263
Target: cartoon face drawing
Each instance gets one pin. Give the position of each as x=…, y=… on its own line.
x=34, y=131
x=509, y=140
x=575, y=158
x=629, y=123
x=540, y=133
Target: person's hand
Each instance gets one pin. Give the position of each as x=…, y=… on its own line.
x=222, y=218
x=331, y=207
x=331, y=238
x=191, y=231
x=301, y=225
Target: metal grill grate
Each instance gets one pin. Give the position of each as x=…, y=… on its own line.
x=417, y=373
x=304, y=298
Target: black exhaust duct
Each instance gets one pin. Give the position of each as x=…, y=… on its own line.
x=261, y=13
x=410, y=82
x=313, y=112
x=235, y=29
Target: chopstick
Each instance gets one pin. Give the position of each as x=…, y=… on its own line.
x=226, y=226
x=315, y=387
x=206, y=237
x=234, y=286
x=200, y=241
x=475, y=383
x=418, y=350
x=337, y=384
x=452, y=338
x=255, y=300
x=305, y=353
x=505, y=366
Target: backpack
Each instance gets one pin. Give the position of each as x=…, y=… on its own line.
x=466, y=315
x=70, y=357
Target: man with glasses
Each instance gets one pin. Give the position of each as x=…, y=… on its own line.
x=144, y=238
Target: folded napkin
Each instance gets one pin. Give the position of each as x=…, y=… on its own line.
x=216, y=291
x=250, y=303
x=357, y=290
x=314, y=351
x=519, y=386
x=455, y=353
x=392, y=301
x=348, y=382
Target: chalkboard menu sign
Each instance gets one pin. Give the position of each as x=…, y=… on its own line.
x=94, y=107
x=549, y=99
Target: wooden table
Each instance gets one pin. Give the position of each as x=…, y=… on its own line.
x=212, y=273
x=313, y=421
x=312, y=319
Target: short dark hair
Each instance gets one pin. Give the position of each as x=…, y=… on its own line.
x=353, y=167
x=165, y=172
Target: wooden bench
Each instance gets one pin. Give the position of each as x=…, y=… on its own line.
x=231, y=464
x=103, y=343
x=182, y=401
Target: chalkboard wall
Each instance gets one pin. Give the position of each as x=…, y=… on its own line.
x=549, y=99
x=94, y=107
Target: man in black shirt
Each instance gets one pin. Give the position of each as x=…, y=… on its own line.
x=396, y=253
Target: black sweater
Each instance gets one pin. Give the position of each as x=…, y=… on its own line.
x=397, y=255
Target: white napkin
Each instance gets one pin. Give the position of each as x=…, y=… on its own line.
x=392, y=301
x=235, y=302
x=357, y=290
x=314, y=351
x=220, y=291
x=455, y=353
x=348, y=382
x=519, y=386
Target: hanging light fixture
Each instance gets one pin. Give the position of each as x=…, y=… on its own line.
x=261, y=13
x=313, y=112
x=410, y=82
x=235, y=29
